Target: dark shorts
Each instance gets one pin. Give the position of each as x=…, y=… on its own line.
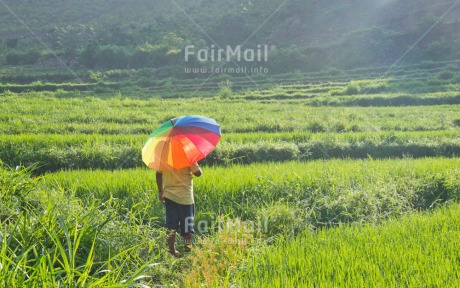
x=179, y=217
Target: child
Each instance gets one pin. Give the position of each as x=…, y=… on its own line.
x=175, y=189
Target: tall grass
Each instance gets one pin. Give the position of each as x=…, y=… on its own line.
x=101, y=228
x=55, y=152
x=50, y=239
x=42, y=112
x=420, y=250
x=321, y=193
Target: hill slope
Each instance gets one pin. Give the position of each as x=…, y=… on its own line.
x=308, y=35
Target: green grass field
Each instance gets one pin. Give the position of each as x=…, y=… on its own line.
x=331, y=192
x=44, y=112
x=325, y=184
x=416, y=251
x=338, y=165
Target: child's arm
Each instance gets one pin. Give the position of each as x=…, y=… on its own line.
x=159, y=179
x=198, y=173
x=195, y=169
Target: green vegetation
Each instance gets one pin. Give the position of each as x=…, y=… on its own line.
x=338, y=165
x=308, y=36
x=52, y=152
x=99, y=227
x=40, y=112
x=417, y=250
x=292, y=158
x=49, y=237
x=110, y=128
x=325, y=193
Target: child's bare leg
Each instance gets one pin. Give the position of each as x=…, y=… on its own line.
x=172, y=243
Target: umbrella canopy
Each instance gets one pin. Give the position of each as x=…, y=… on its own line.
x=180, y=142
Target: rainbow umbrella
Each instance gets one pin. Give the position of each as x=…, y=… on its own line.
x=180, y=142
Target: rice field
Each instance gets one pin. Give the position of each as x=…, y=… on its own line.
x=310, y=186
x=419, y=250
x=332, y=192
x=52, y=152
x=46, y=112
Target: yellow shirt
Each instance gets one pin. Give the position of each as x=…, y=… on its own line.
x=178, y=184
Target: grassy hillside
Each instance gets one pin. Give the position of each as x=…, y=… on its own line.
x=308, y=35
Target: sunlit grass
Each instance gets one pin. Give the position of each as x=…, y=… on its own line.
x=416, y=251
x=328, y=222
x=53, y=152
x=322, y=192
x=49, y=237
x=41, y=112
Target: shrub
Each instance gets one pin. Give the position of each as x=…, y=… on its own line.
x=17, y=58
x=13, y=58
x=218, y=256
x=28, y=58
x=281, y=218
x=340, y=127
x=110, y=56
x=317, y=126
x=375, y=87
x=352, y=89
x=225, y=90
x=15, y=187
x=336, y=92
